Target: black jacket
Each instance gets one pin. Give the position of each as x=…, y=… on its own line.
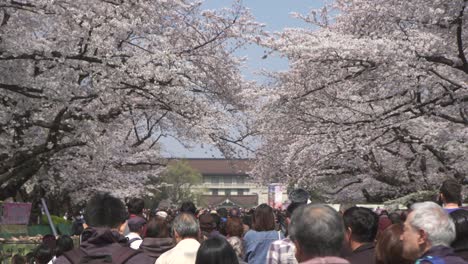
x=103, y=241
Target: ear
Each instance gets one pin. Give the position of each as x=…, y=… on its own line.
x=298, y=253
x=121, y=227
x=423, y=238
x=348, y=233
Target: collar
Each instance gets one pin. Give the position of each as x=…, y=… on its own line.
x=440, y=251
x=364, y=247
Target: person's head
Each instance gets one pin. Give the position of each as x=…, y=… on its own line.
x=207, y=223
x=222, y=212
x=395, y=218
x=263, y=218
x=460, y=219
x=237, y=244
x=389, y=247
x=50, y=241
x=427, y=225
x=291, y=208
x=345, y=206
x=299, y=196
x=234, y=212
x=42, y=254
x=234, y=227
x=18, y=259
x=316, y=230
x=136, y=224
x=216, y=250
x=135, y=206
x=185, y=225
x=361, y=225
x=188, y=207
x=104, y=210
x=450, y=192
x=157, y=227
x=64, y=244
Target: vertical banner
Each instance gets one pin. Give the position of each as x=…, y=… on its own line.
x=275, y=195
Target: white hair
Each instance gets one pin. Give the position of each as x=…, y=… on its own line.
x=431, y=218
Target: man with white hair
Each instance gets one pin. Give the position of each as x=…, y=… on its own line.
x=427, y=234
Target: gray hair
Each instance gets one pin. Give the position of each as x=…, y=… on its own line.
x=186, y=225
x=431, y=218
x=318, y=229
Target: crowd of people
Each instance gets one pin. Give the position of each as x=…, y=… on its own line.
x=305, y=233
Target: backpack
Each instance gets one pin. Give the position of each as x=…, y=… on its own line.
x=119, y=256
x=431, y=259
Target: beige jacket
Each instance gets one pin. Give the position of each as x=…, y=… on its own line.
x=185, y=252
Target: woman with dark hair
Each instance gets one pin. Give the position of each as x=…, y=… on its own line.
x=64, y=244
x=258, y=239
x=389, y=247
x=42, y=254
x=460, y=218
x=216, y=250
x=157, y=240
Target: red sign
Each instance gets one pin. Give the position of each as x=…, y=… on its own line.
x=15, y=213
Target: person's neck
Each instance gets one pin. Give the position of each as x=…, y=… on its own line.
x=450, y=205
x=355, y=245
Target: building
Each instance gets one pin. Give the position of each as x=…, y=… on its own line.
x=226, y=183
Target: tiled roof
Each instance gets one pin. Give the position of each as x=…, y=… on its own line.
x=244, y=201
x=219, y=166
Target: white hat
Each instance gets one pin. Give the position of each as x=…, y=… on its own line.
x=162, y=214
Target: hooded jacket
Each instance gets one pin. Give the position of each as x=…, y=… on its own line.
x=103, y=241
x=155, y=247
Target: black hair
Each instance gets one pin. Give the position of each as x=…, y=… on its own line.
x=135, y=206
x=451, y=190
x=104, y=210
x=299, y=196
x=216, y=250
x=291, y=208
x=64, y=244
x=42, y=254
x=18, y=259
x=223, y=212
x=188, y=207
x=395, y=218
x=363, y=222
x=460, y=218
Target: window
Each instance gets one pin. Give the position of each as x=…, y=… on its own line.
x=240, y=191
x=214, y=180
x=240, y=179
x=227, y=192
x=228, y=180
x=214, y=192
x=206, y=179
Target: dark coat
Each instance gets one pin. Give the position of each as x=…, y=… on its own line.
x=155, y=247
x=365, y=254
x=103, y=241
x=462, y=252
x=446, y=253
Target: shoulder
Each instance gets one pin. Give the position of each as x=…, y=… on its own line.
x=62, y=260
x=140, y=258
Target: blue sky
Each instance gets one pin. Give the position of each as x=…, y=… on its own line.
x=275, y=14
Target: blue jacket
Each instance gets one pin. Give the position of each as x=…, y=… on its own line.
x=442, y=255
x=256, y=245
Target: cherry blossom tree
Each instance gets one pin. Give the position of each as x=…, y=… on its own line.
x=88, y=88
x=375, y=102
